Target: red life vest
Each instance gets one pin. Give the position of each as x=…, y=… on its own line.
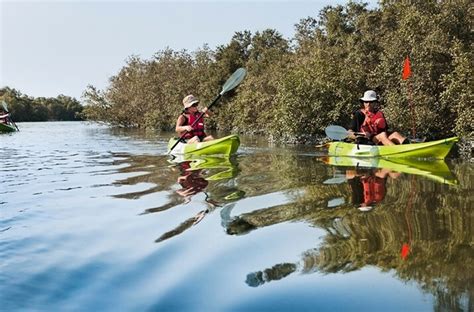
x=374, y=189
x=198, y=128
x=374, y=123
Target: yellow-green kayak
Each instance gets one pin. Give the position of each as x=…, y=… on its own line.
x=224, y=146
x=436, y=170
x=435, y=149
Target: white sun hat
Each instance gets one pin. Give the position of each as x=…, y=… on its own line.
x=369, y=96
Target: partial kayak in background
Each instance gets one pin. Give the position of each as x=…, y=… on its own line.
x=436, y=170
x=7, y=127
x=224, y=146
x=436, y=149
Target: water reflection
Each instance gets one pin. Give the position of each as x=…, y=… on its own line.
x=421, y=228
x=368, y=186
x=194, y=178
x=415, y=220
x=436, y=170
x=181, y=179
x=284, y=229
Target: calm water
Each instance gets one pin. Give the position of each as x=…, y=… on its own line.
x=94, y=219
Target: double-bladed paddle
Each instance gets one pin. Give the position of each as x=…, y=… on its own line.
x=230, y=84
x=338, y=133
x=5, y=108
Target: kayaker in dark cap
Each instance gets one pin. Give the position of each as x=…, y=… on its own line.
x=370, y=121
x=188, y=117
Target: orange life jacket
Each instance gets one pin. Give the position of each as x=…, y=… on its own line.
x=198, y=128
x=374, y=123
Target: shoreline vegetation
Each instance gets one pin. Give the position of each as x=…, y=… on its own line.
x=297, y=86
x=27, y=108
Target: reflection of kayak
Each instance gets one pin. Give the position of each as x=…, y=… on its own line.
x=435, y=149
x=435, y=170
x=224, y=146
x=224, y=165
x=7, y=127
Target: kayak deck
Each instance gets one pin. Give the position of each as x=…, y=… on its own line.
x=224, y=146
x=435, y=149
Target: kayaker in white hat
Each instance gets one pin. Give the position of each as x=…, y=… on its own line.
x=190, y=114
x=370, y=121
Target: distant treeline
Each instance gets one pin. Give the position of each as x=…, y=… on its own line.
x=27, y=108
x=296, y=87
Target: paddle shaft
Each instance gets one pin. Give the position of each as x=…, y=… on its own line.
x=196, y=121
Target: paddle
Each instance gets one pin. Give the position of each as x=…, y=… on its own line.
x=339, y=133
x=230, y=84
x=5, y=108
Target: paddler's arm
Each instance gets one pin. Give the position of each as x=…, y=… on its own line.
x=179, y=128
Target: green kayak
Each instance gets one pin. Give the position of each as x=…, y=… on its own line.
x=435, y=149
x=436, y=170
x=7, y=128
x=224, y=146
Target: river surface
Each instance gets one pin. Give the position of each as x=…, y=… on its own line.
x=96, y=219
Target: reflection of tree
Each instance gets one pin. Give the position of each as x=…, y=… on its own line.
x=439, y=230
x=277, y=272
x=440, y=219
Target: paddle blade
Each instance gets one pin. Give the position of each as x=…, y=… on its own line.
x=234, y=80
x=337, y=133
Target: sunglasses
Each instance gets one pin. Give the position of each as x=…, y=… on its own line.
x=194, y=105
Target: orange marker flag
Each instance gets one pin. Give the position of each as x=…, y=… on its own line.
x=406, y=69
x=405, y=251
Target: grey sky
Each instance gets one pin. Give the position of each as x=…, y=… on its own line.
x=59, y=47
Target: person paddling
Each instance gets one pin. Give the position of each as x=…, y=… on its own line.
x=188, y=117
x=370, y=121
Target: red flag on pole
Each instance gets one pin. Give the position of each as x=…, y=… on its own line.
x=406, y=69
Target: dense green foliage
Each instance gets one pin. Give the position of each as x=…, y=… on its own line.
x=296, y=87
x=26, y=108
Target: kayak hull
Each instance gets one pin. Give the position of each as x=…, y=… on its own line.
x=7, y=128
x=436, y=149
x=224, y=146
